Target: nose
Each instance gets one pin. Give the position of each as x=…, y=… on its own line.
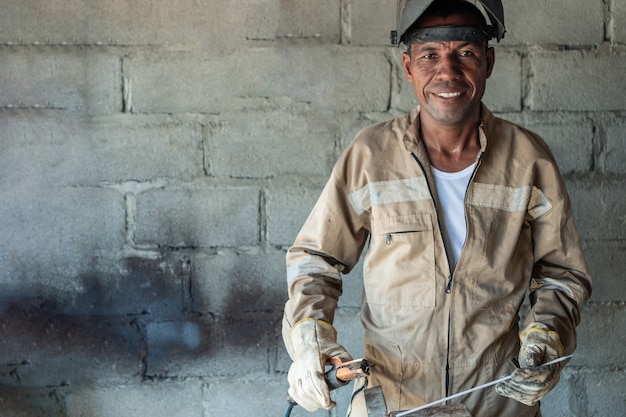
x=449, y=67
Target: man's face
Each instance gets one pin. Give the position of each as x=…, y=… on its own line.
x=449, y=77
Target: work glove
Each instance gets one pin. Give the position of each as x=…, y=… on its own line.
x=313, y=343
x=532, y=382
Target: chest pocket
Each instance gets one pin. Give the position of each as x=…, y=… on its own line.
x=399, y=268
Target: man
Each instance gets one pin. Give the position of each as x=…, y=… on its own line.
x=463, y=214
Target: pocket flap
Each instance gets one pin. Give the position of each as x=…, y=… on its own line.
x=402, y=224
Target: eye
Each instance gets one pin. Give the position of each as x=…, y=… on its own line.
x=466, y=53
x=430, y=56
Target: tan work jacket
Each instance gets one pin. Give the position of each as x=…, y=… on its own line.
x=433, y=332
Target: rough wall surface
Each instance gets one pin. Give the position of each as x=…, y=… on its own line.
x=158, y=157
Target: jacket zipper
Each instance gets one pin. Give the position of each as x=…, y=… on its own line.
x=449, y=283
x=480, y=157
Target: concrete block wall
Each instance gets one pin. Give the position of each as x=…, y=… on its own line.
x=157, y=158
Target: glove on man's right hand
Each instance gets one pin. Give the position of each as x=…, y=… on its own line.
x=313, y=343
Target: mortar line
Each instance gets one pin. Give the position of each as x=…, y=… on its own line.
x=127, y=95
x=345, y=14
x=609, y=32
x=131, y=218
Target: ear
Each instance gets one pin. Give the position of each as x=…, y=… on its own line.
x=491, y=60
x=406, y=65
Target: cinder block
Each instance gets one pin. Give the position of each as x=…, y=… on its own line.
x=601, y=337
x=80, y=81
x=571, y=143
x=173, y=346
x=504, y=87
x=614, y=153
x=155, y=399
x=51, y=234
x=233, y=284
x=214, y=24
x=607, y=261
x=198, y=216
x=134, y=286
x=404, y=98
x=198, y=347
x=598, y=208
x=561, y=22
x=269, y=144
x=288, y=204
x=100, y=285
x=351, y=124
x=41, y=348
x=576, y=80
x=31, y=402
x=570, y=138
x=605, y=392
x=68, y=150
x=264, y=397
x=299, y=19
x=330, y=78
x=618, y=9
x=568, y=398
x=279, y=356
x=372, y=21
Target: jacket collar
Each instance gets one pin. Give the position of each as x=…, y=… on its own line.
x=409, y=126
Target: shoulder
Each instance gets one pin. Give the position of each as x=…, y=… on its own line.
x=379, y=137
x=385, y=130
x=376, y=152
x=516, y=156
x=509, y=137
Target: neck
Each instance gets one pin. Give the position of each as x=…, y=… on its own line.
x=450, y=148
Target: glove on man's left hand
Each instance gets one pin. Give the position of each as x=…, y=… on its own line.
x=532, y=382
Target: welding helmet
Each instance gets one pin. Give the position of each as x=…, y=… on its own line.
x=409, y=11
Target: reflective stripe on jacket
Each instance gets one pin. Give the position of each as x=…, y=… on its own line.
x=433, y=332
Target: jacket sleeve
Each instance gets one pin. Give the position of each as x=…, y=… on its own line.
x=329, y=244
x=561, y=280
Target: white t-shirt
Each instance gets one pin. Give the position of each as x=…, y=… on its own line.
x=451, y=188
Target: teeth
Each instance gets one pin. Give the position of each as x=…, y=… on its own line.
x=449, y=95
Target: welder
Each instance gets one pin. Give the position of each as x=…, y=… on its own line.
x=462, y=215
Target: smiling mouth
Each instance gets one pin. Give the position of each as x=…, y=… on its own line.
x=447, y=95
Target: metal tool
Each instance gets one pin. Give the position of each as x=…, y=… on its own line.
x=462, y=393
x=340, y=374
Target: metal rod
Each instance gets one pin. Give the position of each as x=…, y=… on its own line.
x=462, y=393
